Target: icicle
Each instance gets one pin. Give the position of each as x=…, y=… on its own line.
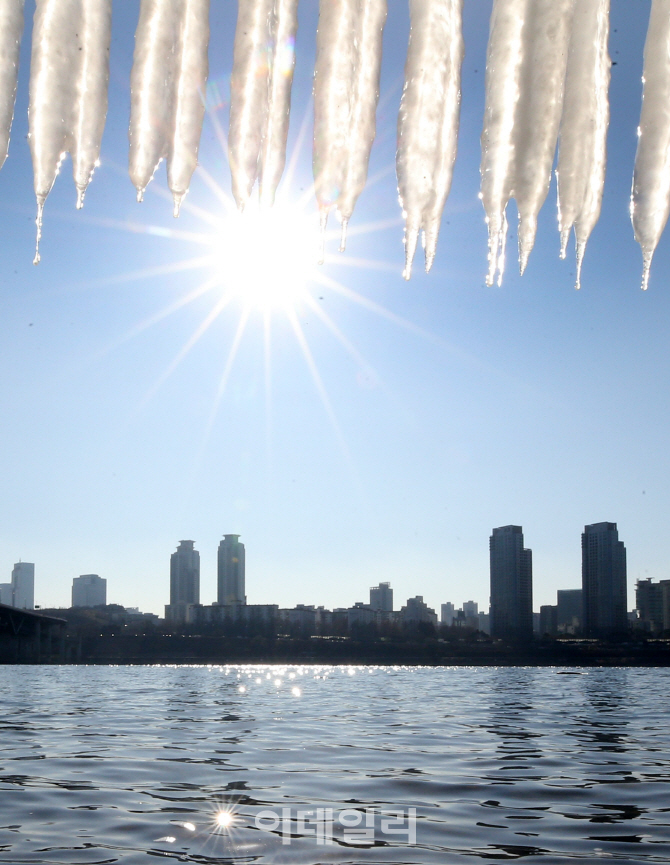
x=273, y=156
x=90, y=104
x=69, y=70
x=346, y=91
x=364, y=99
x=151, y=90
x=428, y=120
x=190, y=79
x=11, y=28
x=525, y=76
x=582, y=153
x=547, y=41
x=650, y=198
x=263, y=61
x=505, y=55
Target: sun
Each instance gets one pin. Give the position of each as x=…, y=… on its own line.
x=266, y=257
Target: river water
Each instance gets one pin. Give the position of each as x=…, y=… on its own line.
x=333, y=764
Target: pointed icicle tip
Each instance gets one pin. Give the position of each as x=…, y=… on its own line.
x=38, y=223
x=646, y=268
x=140, y=196
x=581, y=249
x=81, y=192
x=177, y=198
x=411, y=238
x=565, y=237
x=343, y=234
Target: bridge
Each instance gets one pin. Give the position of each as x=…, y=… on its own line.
x=28, y=637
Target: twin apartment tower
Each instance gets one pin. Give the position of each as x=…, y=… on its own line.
x=185, y=573
x=604, y=608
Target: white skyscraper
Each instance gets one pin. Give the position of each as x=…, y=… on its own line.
x=23, y=585
x=6, y=594
x=381, y=598
x=230, y=577
x=89, y=590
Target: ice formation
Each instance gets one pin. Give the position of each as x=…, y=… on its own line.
x=428, y=120
x=260, y=102
x=582, y=152
x=11, y=29
x=525, y=76
x=650, y=199
x=69, y=73
x=167, y=88
x=346, y=92
x=548, y=70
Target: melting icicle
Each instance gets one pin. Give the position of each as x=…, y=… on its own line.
x=547, y=41
x=90, y=105
x=190, y=80
x=582, y=154
x=11, y=28
x=68, y=91
x=650, y=199
x=346, y=92
x=151, y=90
x=428, y=120
x=503, y=73
x=525, y=76
x=263, y=62
x=167, y=86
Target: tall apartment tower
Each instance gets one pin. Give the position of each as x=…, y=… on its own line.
x=511, y=585
x=89, y=590
x=185, y=574
x=381, y=598
x=23, y=586
x=230, y=577
x=603, y=581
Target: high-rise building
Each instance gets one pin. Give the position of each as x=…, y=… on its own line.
x=230, y=578
x=447, y=614
x=89, y=590
x=381, y=598
x=185, y=574
x=511, y=585
x=603, y=581
x=6, y=594
x=649, y=605
x=549, y=620
x=23, y=586
x=568, y=610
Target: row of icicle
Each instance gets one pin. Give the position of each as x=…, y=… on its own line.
x=547, y=81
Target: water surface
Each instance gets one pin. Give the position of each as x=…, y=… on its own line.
x=123, y=764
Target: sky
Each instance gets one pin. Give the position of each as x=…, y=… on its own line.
x=389, y=426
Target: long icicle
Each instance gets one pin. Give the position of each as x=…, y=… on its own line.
x=260, y=101
x=365, y=97
x=91, y=87
x=190, y=80
x=11, y=29
x=428, y=120
x=50, y=109
x=650, y=198
x=151, y=90
x=346, y=90
x=503, y=89
x=582, y=152
x=273, y=156
x=547, y=40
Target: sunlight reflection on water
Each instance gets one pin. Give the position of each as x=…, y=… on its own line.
x=121, y=764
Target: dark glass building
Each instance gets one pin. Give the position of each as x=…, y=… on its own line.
x=511, y=585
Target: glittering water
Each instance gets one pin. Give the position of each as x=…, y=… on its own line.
x=123, y=764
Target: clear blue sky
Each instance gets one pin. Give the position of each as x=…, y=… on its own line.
x=465, y=408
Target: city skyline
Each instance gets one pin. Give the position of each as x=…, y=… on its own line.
x=374, y=433
x=602, y=608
